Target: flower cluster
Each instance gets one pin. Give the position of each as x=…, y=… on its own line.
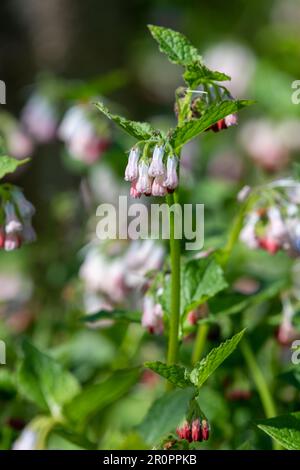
x=111, y=273
x=194, y=430
x=79, y=132
x=15, y=215
x=152, y=176
x=277, y=225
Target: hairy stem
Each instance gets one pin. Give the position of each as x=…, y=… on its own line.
x=173, y=344
x=261, y=384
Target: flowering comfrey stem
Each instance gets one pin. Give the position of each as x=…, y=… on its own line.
x=261, y=384
x=173, y=344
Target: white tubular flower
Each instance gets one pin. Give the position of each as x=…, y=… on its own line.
x=171, y=182
x=247, y=234
x=152, y=318
x=71, y=122
x=12, y=223
x=158, y=188
x=157, y=167
x=278, y=228
x=26, y=441
x=25, y=207
x=131, y=172
x=144, y=182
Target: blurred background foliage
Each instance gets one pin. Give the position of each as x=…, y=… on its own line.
x=256, y=42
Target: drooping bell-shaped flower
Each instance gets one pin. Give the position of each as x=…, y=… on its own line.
x=133, y=190
x=248, y=233
x=26, y=209
x=157, y=167
x=12, y=222
x=171, y=181
x=28, y=232
x=131, y=172
x=158, y=188
x=39, y=117
x=152, y=318
x=144, y=182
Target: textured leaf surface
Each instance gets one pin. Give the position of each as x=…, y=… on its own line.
x=177, y=375
x=9, y=164
x=175, y=45
x=139, y=130
x=43, y=380
x=284, y=429
x=201, y=279
x=165, y=415
x=198, y=73
x=214, y=359
x=190, y=130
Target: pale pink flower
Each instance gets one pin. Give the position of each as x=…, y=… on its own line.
x=158, y=188
x=157, y=167
x=171, y=181
x=131, y=172
x=133, y=190
x=152, y=318
x=231, y=120
x=19, y=144
x=248, y=234
x=144, y=182
x=40, y=118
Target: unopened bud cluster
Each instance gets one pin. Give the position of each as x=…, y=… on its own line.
x=15, y=219
x=154, y=175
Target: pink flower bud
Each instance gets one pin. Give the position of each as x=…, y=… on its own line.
x=171, y=182
x=184, y=432
x=2, y=237
x=269, y=244
x=157, y=167
x=131, y=172
x=205, y=429
x=196, y=430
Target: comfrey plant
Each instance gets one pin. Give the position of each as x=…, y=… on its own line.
x=16, y=211
x=153, y=169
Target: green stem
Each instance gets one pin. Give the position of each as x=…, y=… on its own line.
x=200, y=342
x=261, y=384
x=173, y=344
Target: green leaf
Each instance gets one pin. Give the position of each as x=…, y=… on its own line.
x=197, y=74
x=9, y=164
x=201, y=279
x=175, y=45
x=139, y=130
x=119, y=315
x=214, y=359
x=177, y=375
x=284, y=429
x=189, y=130
x=97, y=396
x=165, y=415
x=42, y=380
